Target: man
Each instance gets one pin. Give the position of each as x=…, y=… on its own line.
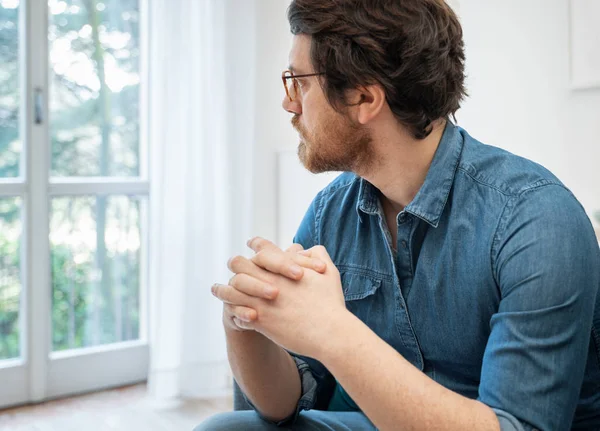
x=444, y=284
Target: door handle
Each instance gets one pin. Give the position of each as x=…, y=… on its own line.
x=38, y=106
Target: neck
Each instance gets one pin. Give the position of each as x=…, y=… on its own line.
x=402, y=164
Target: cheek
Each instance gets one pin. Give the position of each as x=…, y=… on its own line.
x=311, y=117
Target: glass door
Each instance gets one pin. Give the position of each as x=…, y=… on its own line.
x=73, y=278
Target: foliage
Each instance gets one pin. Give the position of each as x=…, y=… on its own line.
x=94, y=128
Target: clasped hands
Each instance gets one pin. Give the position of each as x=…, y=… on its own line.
x=292, y=297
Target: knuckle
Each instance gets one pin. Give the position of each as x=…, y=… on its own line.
x=239, y=280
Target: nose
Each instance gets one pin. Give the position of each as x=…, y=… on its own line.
x=292, y=107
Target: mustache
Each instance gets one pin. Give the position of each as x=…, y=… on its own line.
x=299, y=128
x=296, y=122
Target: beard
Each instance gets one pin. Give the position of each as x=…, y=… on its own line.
x=336, y=144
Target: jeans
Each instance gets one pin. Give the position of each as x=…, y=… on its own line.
x=312, y=420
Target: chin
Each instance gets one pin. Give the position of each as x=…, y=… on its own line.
x=302, y=152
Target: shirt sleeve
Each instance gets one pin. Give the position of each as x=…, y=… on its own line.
x=308, y=400
x=510, y=423
x=546, y=262
x=317, y=382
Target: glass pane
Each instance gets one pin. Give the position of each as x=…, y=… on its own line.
x=10, y=142
x=95, y=257
x=95, y=81
x=10, y=276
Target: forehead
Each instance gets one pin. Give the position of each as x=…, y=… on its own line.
x=300, y=54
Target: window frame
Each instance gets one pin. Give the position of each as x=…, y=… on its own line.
x=39, y=373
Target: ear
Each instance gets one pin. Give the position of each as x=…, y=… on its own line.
x=367, y=102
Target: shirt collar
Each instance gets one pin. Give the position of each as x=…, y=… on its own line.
x=431, y=198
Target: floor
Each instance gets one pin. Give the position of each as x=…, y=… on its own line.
x=120, y=409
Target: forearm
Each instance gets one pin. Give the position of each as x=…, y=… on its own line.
x=391, y=391
x=265, y=372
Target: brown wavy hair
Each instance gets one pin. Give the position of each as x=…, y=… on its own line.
x=413, y=48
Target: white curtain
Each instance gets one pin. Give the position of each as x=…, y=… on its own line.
x=200, y=171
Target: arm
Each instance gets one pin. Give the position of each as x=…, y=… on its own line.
x=546, y=262
x=277, y=384
x=266, y=373
x=390, y=390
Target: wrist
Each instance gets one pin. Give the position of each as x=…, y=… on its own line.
x=334, y=336
x=236, y=333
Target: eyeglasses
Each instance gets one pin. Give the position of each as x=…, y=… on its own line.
x=290, y=82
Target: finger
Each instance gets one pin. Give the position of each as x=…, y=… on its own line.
x=309, y=262
x=242, y=313
x=287, y=264
x=316, y=264
x=241, y=265
x=295, y=248
x=319, y=252
x=253, y=287
x=243, y=325
x=230, y=295
x=257, y=244
x=278, y=262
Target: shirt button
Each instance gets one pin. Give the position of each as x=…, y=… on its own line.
x=404, y=244
x=402, y=218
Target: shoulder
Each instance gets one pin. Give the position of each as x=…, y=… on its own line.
x=501, y=170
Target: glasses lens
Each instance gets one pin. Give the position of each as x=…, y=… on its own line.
x=290, y=85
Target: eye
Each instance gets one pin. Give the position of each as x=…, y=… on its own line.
x=301, y=82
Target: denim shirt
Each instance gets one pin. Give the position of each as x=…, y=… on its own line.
x=492, y=292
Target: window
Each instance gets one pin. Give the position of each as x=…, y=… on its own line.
x=73, y=196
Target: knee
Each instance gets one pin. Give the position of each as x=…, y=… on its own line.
x=242, y=420
x=219, y=422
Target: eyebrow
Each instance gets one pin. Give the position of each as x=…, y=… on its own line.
x=293, y=70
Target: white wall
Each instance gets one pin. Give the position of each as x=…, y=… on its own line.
x=280, y=201
x=518, y=67
x=520, y=100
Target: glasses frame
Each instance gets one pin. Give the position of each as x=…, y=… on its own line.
x=285, y=77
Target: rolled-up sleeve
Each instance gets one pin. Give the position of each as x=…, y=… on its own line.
x=510, y=423
x=313, y=386
x=547, y=265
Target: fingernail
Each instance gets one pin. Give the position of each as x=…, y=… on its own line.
x=249, y=242
x=213, y=289
x=270, y=292
x=296, y=270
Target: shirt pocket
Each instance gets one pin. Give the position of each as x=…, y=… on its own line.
x=363, y=297
x=358, y=286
